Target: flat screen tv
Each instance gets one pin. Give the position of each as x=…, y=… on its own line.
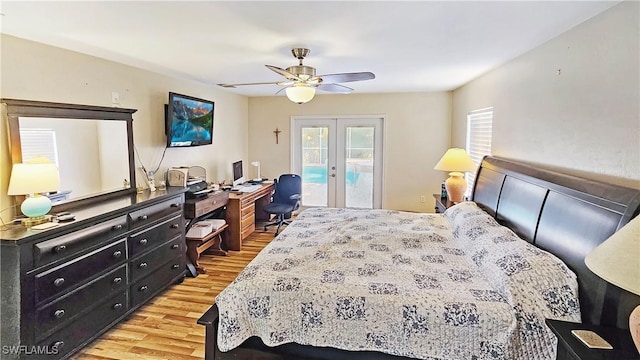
x=189, y=121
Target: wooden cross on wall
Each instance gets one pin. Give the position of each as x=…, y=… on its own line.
x=277, y=132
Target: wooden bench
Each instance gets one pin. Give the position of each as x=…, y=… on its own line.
x=212, y=241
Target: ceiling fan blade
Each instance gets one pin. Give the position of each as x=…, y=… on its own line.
x=335, y=88
x=283, y=72
x=347, y=77
x=244, y=84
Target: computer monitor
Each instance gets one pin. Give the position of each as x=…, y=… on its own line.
x=238, y=178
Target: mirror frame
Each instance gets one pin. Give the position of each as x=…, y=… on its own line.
x=27, y=108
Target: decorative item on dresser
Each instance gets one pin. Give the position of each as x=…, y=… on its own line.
x=63, y=287
x=456, y=162
x=36, y=176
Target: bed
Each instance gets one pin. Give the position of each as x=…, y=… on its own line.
x=464, y=285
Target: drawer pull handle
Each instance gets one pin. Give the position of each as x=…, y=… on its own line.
x=175, y=266
x=117, y=280
x=143, y=217
x=143, y=288
x=175, y=205
x=116, y=227
x=58, y=313
x=175, y=246
x=58, y=282
x=174, y=226
x=117, y=254
x=57, y=345
x=143, y=242
x=142, y=265
x=59, y=248
x=117, y=306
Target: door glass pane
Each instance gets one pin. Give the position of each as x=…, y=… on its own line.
x=359, y=167
x=314, y=166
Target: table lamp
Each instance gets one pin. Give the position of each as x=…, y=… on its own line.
x=456, y=161
x=617, y=260
x=36, y=176
x=257, y=164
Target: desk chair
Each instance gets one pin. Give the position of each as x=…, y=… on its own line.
x=286, y=199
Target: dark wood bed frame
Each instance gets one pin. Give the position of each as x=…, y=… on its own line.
x=562, y=214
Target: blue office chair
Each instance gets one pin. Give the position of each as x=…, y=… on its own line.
x=285, y=199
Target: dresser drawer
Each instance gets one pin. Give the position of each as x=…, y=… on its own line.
x=150, y=238
x=247, y=218
x=78, y=332
x=78, y=241
x=66, y=276
x=62, y=311
x=148, y=263
x=247, y=201
x=155, y=212
x=144, y=289
x=199, y=207
x=247, y=211
x=248, y=230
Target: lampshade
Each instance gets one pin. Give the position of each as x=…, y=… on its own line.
x=33, y=177
x=457, y=160
x=257, y=164
x=617, y=260
x=300, y=93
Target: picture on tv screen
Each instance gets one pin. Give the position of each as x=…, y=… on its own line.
x=189, y=121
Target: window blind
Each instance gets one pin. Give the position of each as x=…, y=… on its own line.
x=479, y=130
x=38, y=142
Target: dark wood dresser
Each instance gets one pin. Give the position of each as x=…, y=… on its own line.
x=63, y=287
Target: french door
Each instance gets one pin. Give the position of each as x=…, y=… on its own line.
x=339, y=159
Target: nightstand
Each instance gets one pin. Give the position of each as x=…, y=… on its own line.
x=442, y=204
x=570, y=348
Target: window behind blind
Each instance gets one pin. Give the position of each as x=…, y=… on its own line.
x=38, y=142
x=479, y=129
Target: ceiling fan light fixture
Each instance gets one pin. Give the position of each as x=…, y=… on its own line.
x=300, y=94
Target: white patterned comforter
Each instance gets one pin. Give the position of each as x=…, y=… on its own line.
x=452, y=286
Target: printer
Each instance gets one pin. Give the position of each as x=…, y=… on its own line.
x=197, y=190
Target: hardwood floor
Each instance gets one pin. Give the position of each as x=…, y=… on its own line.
x=166, y=328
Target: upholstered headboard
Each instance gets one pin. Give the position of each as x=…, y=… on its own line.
x=567, y=216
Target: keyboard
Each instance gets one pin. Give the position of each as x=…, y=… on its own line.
x=246, y=188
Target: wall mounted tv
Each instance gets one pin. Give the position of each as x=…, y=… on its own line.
x=189, y=121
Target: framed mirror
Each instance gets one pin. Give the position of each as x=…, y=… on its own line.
x=91, y=145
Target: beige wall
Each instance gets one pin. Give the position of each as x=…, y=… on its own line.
x=34, y=71
x=586, y=119
x=417, y=132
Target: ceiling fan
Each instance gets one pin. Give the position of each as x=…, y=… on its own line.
x=301, y=80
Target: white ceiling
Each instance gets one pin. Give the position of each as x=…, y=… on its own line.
x=409, y=45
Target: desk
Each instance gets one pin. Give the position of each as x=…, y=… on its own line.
x=243, y=209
